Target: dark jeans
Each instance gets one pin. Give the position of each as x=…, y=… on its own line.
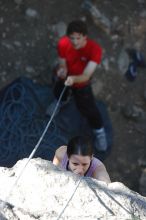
x=85, y=102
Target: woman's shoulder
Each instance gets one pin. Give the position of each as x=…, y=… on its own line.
x=97, y=161
x=60, y=152
x=100, y=172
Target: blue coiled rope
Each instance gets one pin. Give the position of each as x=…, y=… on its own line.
x=22, y=120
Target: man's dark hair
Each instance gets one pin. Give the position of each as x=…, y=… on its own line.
x=77, y=26
x=80, y=145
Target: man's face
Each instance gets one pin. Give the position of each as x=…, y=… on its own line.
x=78, y=40
x=79, y=164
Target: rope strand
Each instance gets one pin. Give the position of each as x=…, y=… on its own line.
x=35, y=148
x=70, y=198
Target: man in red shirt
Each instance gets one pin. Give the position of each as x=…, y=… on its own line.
x=78, y=59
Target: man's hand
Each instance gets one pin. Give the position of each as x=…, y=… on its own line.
x=69, y=81
x=61, y=73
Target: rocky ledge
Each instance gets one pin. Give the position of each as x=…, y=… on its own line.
x=36, y=189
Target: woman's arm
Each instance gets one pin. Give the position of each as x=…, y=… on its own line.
x=101, y=174
x=59, y=154
x=56, y=160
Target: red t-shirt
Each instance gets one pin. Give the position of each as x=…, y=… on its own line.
x=77, y=59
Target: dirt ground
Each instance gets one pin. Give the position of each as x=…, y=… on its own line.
x=27, y=45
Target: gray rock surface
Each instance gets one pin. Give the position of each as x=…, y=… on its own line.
x=44, y=192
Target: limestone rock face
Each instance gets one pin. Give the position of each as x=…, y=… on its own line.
x=45, y=192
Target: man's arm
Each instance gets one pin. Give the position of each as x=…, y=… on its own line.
x=101, y=174
x=85, y=76
x=62, y=69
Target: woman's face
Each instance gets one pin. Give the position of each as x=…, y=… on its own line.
x=78, y=40
x=79, y=164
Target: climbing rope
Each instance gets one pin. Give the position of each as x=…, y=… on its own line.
x=14, y=107
x=35, y=148
x=70, y=198
x=22, y=121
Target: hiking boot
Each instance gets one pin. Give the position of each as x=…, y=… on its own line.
x=100, y=139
